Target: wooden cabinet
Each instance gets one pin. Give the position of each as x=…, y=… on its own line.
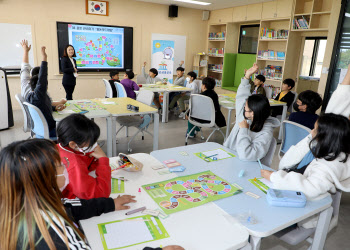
x=269, y=10
x=254, y=12
x=284, y=8
x=239, y=14
x=221, y=16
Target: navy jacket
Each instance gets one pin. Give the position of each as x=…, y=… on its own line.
x=68, y=71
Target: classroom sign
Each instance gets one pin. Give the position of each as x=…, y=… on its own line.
x=163, y=59
x=189, y=191
x=97, y=46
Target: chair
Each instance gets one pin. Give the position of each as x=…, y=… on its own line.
x=290, y=109
x=267, y=160
x=39, y=126
x=109, y=92
x=121, y=90
x=202, y=107
x=292, y=133
x=26, y=116
x=268, y=91
x=140, y=79
x=141, y=123
x=295, y=235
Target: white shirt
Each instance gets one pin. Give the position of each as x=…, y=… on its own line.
x=71, y=59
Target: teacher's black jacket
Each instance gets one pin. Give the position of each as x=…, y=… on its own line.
x=68, y=71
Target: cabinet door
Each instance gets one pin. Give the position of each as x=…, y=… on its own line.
x=269, y=10
x=284, y=8
x=221, y=16
x=239, y=13
x=254, y=12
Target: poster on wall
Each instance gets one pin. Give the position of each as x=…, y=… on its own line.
x=163, y=59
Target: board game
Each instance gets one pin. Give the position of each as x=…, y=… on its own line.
x=189, y=191
x=88, y=105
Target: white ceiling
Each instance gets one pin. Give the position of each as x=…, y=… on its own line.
x=216, y=4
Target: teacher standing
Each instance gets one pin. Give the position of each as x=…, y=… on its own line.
x=70, y=71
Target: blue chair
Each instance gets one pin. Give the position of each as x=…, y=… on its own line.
x=121, y=90
x=109, y=92
x=39, y=123
x=26, y=116
x=292, y=133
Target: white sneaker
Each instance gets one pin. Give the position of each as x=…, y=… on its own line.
x=182, y=115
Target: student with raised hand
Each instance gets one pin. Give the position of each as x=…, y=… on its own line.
x=252, y=134
x=39, y=96
x=151, y=78
x=70, y=71
x=307, y=104
x=38, y=219
x=26, y=70
x=77, y=138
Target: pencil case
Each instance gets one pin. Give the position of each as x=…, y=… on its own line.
x=128, y=163
x=285, y=198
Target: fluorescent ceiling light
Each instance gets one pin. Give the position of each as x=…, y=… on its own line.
x=193, y=2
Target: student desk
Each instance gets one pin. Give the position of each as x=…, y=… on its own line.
x=228, y=101
x=269, y=219
x=100, y=113
x=119, y=109
x=166, y=89
x=188, y=228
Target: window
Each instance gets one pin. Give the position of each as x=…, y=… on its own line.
x=248, y=39
x=313, y=55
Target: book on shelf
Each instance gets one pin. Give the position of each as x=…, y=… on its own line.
x=301, y=23
x=216, y=67
x=267, y=33
x=272, y=72
x=203, y=63
x=216, y=51
x=271, y=54
x=274, y=90
x=217, y=35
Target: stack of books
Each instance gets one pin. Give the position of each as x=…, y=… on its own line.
x=272, y=72
x=216, y=51
x=301, y=23
x=271, y=54
x=215, y=67
x=217, y=36
x=267, y=33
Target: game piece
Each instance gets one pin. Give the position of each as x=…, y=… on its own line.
x=164, y=171
x=177, y=169
x=183, y=153
x=139, y=190
x=190, y=191
x=174, y=164
x=241, y=173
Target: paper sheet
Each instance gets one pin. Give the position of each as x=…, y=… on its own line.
x=221, y=154
x=64, y=112
x=126, y=233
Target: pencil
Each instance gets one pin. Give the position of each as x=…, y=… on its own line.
x=260, y=164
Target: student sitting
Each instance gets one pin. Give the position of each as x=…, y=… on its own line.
x=39, y=97
x=307, y=104
x=252, y=134
x=36, y=219
x=77, y=138
x=151, y=78
x=191, y=77
x=257, y=86
x=284, y=96
x=129, y=85
x=208, y=85
x=179, y=81
x=114, y=78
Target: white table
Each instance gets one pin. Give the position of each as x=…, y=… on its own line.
x=201, y=228
x=270, y=219
x=225, y=101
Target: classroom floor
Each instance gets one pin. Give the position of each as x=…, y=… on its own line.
x=172, y=134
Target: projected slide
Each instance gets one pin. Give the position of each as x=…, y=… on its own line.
x=97, y=46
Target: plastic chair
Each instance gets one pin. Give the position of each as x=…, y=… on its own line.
x=141, y=123
x=295, y=234
x=292, y=133
x=40, y=127
x=26, y=116
x=290, y=109
x=268, y=91
x=202, y=107
x=121, y=90
x=140, y=79
x=109, y=92
x=267, y=160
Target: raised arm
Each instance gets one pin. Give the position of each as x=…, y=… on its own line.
x=41, y=86
x=25, y=69
x=143, y=70
x=243, y=92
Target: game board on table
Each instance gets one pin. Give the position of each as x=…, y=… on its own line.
x=189, y=191
x=88, y=105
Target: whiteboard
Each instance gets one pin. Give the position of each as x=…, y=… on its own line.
x=11, y=52
x=179, y=48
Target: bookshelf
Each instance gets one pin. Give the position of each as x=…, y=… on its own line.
x=272, y=48
x=316, y=13
x=200, y=65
